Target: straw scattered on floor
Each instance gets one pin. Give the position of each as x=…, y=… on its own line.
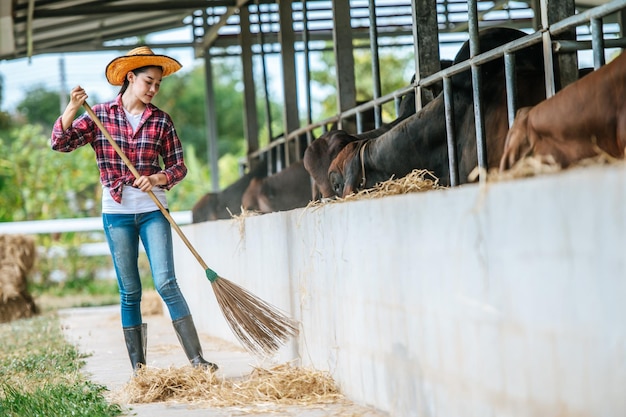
x=283, y=385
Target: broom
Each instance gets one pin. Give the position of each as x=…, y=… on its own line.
x=260, y=326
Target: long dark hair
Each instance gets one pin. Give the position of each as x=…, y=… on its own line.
x=137, y=71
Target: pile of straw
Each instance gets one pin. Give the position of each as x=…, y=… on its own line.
x=532, y=166
x=416, y=181
x=17, y=257
x=283, y=385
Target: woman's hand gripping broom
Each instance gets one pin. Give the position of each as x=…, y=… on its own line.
x=261, y=327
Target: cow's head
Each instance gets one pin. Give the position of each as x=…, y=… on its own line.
x=345, y=171
x=318, y=157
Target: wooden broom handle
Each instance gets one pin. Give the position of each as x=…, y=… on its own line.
x=130, y=166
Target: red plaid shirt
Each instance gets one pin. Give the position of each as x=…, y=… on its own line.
x=155, y=136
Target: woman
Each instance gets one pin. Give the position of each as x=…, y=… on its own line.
x=145, y=134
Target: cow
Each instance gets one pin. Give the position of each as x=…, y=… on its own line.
x=224, y=204
x=323, y=150
x=583, y=119
x=286, y=190
x=419, y=142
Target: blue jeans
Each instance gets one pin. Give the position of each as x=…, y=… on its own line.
x=123, y=232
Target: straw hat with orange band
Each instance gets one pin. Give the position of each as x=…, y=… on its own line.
x=141, y=56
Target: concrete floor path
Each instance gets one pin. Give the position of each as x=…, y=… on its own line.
x=96, y=331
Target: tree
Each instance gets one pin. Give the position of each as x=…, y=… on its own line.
x=396, y=68
x=37, y=183
x=40, y=106
x=183, y=97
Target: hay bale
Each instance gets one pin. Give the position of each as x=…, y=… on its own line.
x=151, y=303
x=17, y=257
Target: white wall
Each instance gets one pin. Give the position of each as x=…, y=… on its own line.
x=500, y=300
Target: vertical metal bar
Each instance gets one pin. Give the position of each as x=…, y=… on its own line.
x=211, y=122
x=376, y=85
x=453, y=165
x=474, y=42
x=534, y=4
x=359, y=122
x=63, y=92
x=597, y=42
x=286, y=37
x=344, y=57
x=511, y=91
x=566, y=62
x=270, y=161
x=251, y=122
x=548, y=64
x=426, y=44
x=307, y=68
x=547, y=51
x=268, y=108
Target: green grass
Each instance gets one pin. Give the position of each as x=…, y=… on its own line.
x=40, y=373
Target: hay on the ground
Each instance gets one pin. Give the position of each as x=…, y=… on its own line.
x=17, y=257
x=283, y=384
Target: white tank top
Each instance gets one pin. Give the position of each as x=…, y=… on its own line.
x=134, y=201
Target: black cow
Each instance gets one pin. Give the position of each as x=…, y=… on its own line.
x=319, y=154
x=419, y=142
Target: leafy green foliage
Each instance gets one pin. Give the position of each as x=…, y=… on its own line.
x=37, y=183
x=183, y=97
x=396, y=71
x=40, y=105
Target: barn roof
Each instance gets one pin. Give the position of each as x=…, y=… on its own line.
x=32, y=27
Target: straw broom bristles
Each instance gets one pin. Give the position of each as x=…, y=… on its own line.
x=260, y=326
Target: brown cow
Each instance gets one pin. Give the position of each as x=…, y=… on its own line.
x=583, y=119
x=286, y=190
x=222, y=205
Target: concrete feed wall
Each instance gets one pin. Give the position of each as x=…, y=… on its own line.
x=505, y=299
